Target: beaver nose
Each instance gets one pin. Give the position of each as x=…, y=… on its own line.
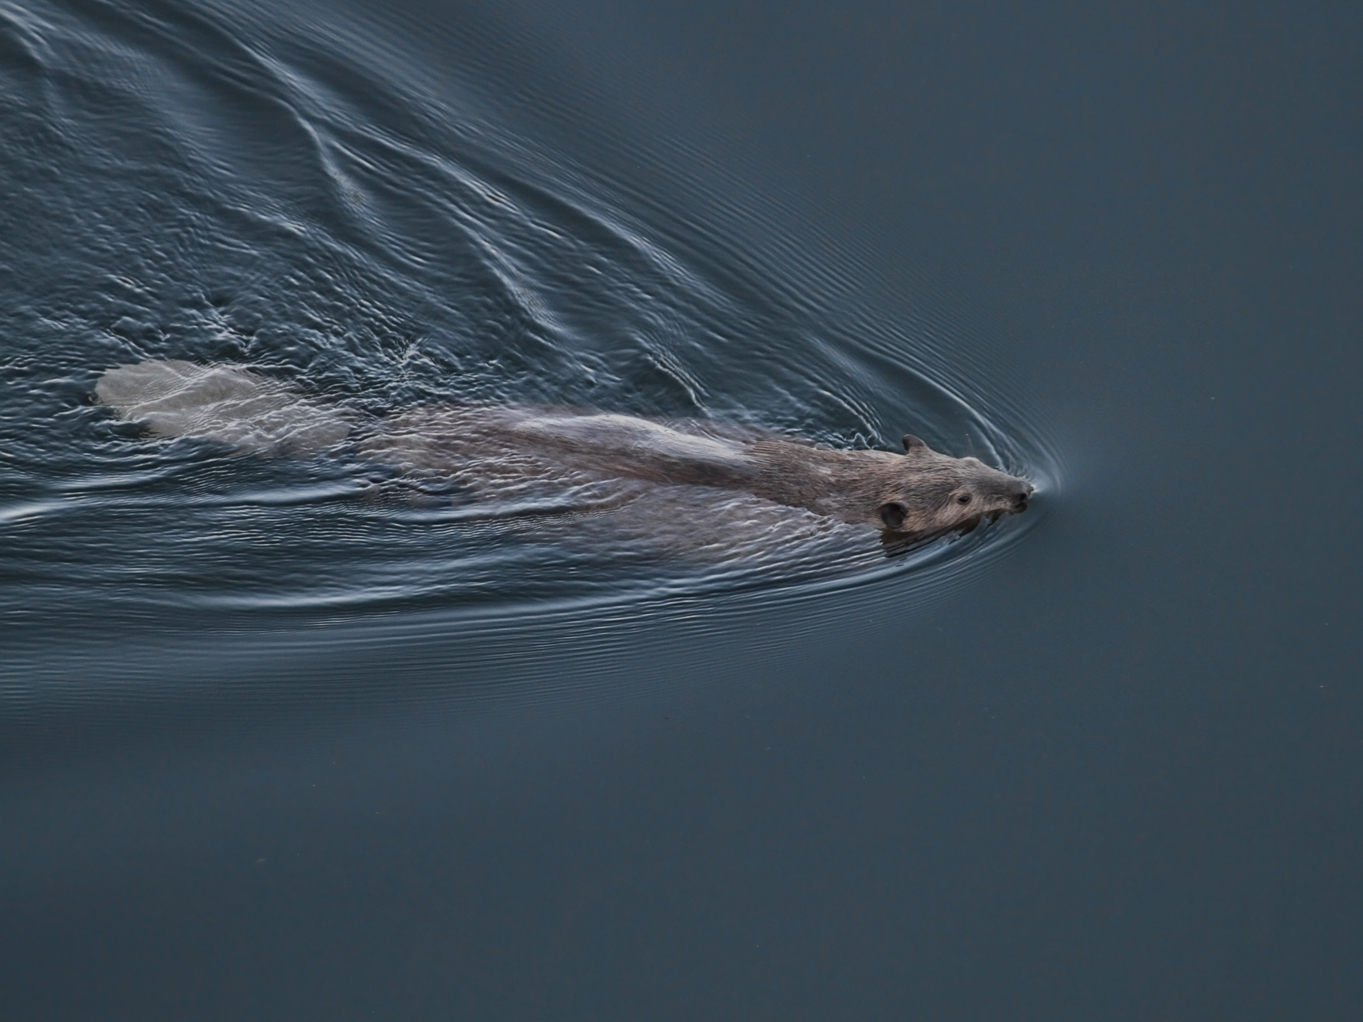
x=1021, y=494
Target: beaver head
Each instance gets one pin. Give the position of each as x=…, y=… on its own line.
x=928, y=494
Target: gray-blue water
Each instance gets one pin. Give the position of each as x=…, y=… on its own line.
x=275, y=747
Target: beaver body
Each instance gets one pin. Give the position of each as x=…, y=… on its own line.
x=494, y=450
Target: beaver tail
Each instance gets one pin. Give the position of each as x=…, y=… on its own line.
x=224, y=403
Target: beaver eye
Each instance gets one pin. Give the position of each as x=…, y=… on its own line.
x=963, y=499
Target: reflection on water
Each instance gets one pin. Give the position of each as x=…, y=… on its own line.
x=188, y=184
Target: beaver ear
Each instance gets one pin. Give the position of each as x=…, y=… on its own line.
x=911, y=442
x=892, y=514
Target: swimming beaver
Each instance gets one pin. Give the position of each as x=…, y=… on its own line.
x=493, y=449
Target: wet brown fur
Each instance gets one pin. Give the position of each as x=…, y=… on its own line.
x=510, y=450
x=913, y=495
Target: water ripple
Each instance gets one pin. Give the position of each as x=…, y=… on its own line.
x=186, y=185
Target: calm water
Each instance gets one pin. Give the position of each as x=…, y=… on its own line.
x=276, y=749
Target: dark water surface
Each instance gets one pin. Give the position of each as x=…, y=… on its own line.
x=273, y=748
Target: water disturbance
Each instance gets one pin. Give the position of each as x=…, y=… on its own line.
x=181, y=187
